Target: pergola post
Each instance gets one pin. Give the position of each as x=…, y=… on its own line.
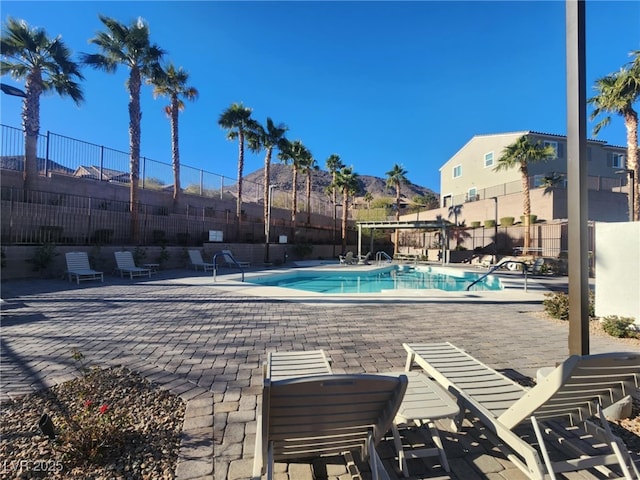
x=577, y=179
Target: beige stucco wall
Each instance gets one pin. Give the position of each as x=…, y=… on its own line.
x=475, y=175
x=618, y=269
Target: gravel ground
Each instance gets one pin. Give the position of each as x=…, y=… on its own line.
x=110, y=424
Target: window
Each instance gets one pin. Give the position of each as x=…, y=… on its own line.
x=616, y=160
x=472, y=195
x=539, y=181
x=457, y=171
x=488, y=159
x=555, y=146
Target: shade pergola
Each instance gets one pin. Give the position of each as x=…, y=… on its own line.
x=402, y=225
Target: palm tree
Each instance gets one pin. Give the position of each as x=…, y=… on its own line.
x=520, y=154
x=237, y=120
x=172, y=82
x=130, y=47
x=295, y=153
x=346, y=182
x=395, y=178
x=268, y=138
x=454, y=211
x=616, y=93
x=333, y=164
x=309, y=165
x=368, y=197
x=46, y=66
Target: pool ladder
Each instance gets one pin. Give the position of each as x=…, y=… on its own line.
x=500, y=265
x=382, y=255
x=228, y=259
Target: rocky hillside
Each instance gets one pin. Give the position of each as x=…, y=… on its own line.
x=281, y=175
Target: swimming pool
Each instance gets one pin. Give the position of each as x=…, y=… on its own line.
x=389, y=278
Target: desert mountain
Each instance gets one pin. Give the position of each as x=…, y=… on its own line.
x=281, y=175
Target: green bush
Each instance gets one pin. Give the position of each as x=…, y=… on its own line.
x=618, y=326
x=532, y=219
x=139, y=253
x=43, y=256
x=302, y=250
x=158, y=237
x=489, y=223
x=507, y=221
x=102, y=236
x=474, y=224
x=557, y=305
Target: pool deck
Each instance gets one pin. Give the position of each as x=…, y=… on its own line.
x=205, y=341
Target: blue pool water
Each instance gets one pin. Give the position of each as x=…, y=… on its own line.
x=391, y=278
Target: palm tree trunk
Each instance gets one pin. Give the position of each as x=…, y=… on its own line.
x=240, y=172
x=526, y=206
x=294, y=207
x=134, y=147
x=631, y=124
x=397, y=231
x=31, y=124
x=309, y=197
x=266, y=181
x=175, y=149
x=345, y=201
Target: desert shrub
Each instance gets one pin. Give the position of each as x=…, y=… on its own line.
x=302, y=250
x=557, y=305
x=618, y=326
x=102, y=236
x=159, y=237
x=139, y=253
x=43, y=256
x=489, y=223
x=507, y=221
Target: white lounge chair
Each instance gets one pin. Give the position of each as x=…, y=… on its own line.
x=320, y=414
x=126, y=264
x=347, y=258
x=78, y=267
x=576, y=390
x=536, y=268
x=230, y=260
x=364, y=259
x=196, y=260
x=281, y=365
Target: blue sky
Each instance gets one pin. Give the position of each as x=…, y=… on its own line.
x=378, y=83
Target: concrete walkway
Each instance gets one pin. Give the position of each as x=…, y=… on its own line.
x=205, y=341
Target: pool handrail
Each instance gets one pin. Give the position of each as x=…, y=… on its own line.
x=382, y=254
x=228, y=258
x=500, y=265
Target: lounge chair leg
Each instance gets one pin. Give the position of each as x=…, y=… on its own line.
x=378, y=472
x=402, y=461
x=543, y=448
x=437, y=441
x=613, y=442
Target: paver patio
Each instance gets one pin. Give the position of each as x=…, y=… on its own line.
x=206, y=341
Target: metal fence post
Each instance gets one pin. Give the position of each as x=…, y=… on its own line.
x=144, y=169
x=101, y=162
x=46, y=155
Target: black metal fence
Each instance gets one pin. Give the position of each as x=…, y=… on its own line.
x=68, y=156
x=546, y=239
x=35, y=217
